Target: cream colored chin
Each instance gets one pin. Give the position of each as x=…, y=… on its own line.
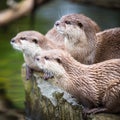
x=60, y=30
x=30, y=48
x=17, y=47
x=38, y=63
x=54, y=67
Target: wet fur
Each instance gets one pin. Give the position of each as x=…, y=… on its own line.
x=108, y=45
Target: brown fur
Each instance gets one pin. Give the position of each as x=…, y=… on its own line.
x=35, y=41
x=96, y=86
x=55, y=37
x=108, y=45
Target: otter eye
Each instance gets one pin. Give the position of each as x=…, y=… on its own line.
x=23, y=38
x=80, y=24
x=46, y=58
x=68, y=22
x=58, y=60
x=35, y=41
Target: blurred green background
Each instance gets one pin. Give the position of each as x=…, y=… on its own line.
x=45, y=16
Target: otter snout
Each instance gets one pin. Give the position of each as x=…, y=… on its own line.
x=57, y=23
x=13, y=40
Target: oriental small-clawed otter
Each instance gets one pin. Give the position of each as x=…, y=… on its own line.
x=82, y=41
x=30, y=43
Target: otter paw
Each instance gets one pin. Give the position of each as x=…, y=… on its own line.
x=29, y=72
x=47, y=75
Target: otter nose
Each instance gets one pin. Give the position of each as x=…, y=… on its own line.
x=37, y=59
x=57, y=23
x=12, y=41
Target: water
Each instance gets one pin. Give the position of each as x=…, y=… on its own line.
x=46, y=15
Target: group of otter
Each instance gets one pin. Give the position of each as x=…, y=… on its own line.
x=83, y=60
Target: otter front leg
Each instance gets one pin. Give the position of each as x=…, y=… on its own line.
x=29, y=72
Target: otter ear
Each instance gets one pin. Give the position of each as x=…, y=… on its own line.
x=80, y=24
x=46, y=58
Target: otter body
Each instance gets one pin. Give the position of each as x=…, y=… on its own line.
x=108, y=45
x=82, y=41
x=96, y=86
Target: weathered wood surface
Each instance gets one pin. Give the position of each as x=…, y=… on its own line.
x=45, y=101
x=105, y=3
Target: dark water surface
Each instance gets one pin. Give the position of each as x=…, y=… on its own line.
x=11, y=60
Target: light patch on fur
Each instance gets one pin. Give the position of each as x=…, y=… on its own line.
x=68, y=45
x=60, y=29
x=16, y=46
x=39, y=63
x=75, y=39
x=90, y=59
x=76, y=35
x=73, y=35
x=30, y=48
x=51, y=66
x=55, y=67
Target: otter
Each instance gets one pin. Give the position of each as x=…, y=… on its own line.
x=55, y=37
x=77, y=29
x=82, y=41
x=30, y=42
x=96, y=86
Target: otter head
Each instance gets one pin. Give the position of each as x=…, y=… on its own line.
x=76, y=28
x=51, y=61
x=28, y=41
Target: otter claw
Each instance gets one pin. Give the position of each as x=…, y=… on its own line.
x=47, y=75
x=29, y=72
x=87, y=111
